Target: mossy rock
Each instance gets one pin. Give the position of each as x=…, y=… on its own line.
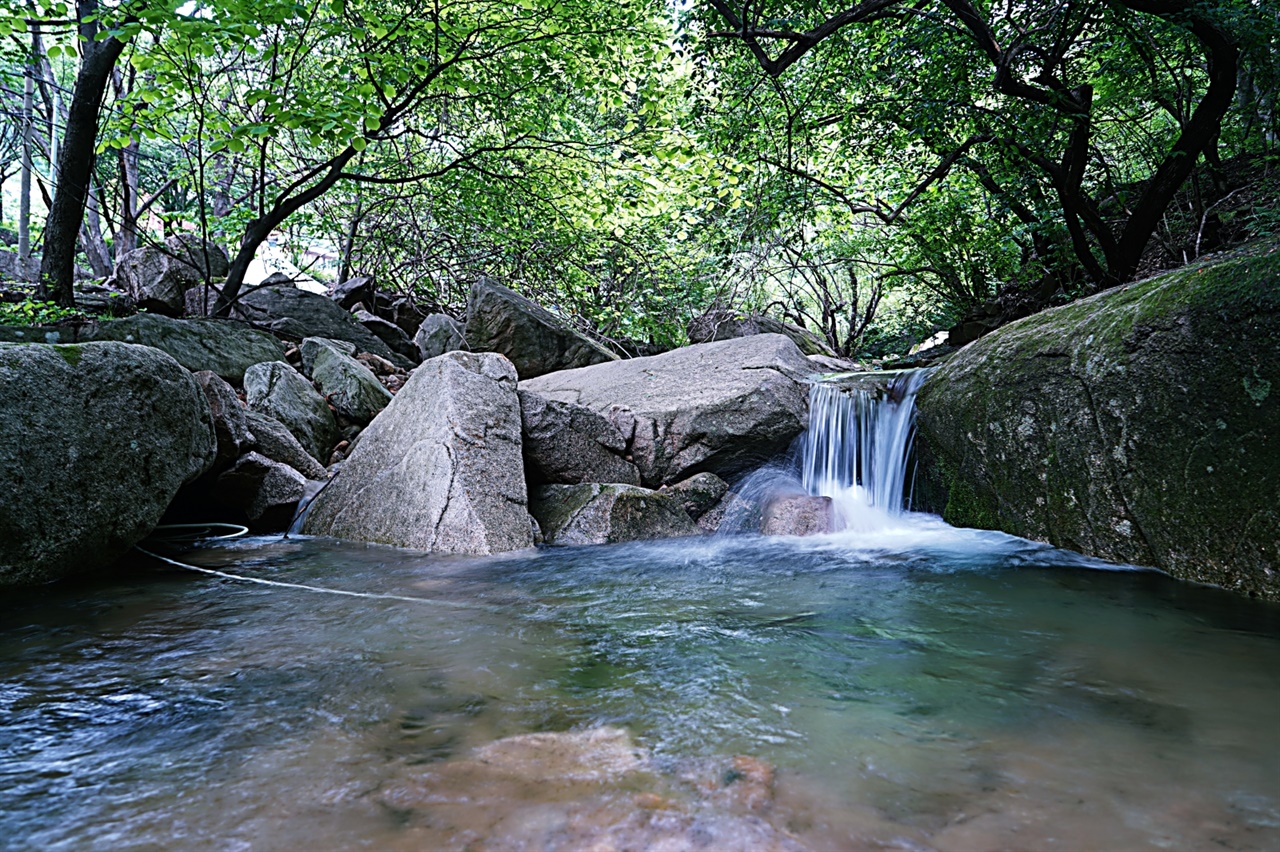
x=1138, y=425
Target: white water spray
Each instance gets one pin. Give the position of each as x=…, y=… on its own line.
x=857, y=446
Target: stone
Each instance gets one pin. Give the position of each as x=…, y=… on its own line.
x=569, y=444
x=1140, y=425
x=353, y=291
x=798, y=515
x=158, y=277
x=101, y=437
x=596, y=513
x=698, y=494
x=230, y=420
x=347, y=384
x=438, y=334
x=389, y=333
x=265, y=491
x=720, y=324
x=534, y=339
x=440, y=469
x=225, y=347
x=279, y=391
x=293, y=313
x=407, y=314
x=272, y=439
x=723, y=407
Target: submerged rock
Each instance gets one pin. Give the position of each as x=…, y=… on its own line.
x=720, y=407
x=607, y=514
x=440, y=468
x=279, y=391
x=534, y=339
x=102, y=436
x=798, y=515
x=1141, y=425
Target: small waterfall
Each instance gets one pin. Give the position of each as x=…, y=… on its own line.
x=857, y=445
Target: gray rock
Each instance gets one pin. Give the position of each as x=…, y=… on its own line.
x=1139, y=425
x=353, y=291
x=698, y=494
x=534, y=339
x=440, y=468
x=230, y=420
x=296, y=314
x=721, y=407
x=158, y=277
x=438, y=334
x=568, y=444
x=270, y=438
x=225, y=347
x=595, y=513
x=726, y=325
x=348, y=385
x=101, y=437
x=798, y=515
x=279, y=391
x=389, y=333
x=265, y=491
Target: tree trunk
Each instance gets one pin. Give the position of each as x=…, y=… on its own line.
x=24, y=200
x=75, y=161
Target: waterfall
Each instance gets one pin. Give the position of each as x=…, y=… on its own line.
x=857, y=445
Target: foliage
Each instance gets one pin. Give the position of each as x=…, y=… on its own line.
x=36, y=312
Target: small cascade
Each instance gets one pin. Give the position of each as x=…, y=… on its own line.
x=857, y=446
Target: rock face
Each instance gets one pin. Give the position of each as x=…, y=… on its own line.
x=1141, y=425
x=438, y=334
x=348, y=385
x=569, y=444
x=296, y=313
x=273, y=440
x=230, y=420
x=534, y=339
x=101, y=437
x=721, y=407
x=607, y=514
x=265, y=491
x=277, y=390
x=798, y=515
x=726, y=325
x=225, y=347
x=440, y=468
x=158, y=277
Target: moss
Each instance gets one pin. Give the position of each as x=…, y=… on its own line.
x=70, y=352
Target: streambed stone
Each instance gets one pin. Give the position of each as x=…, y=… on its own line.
x=593, y=513
x=279, y=391
x=569, y=444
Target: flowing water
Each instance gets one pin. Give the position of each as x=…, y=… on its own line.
x=905, y=686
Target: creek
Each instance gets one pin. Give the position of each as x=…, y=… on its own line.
x=901, y=683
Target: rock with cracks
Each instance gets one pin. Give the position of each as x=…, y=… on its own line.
x=348, y=385
x=568, y=444
x=438, y=334
x=722, y=407
x=440, y=469
x=279, y=391
x=102, y=436
x=158, y=277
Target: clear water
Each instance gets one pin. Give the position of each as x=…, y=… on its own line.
x=918, y=687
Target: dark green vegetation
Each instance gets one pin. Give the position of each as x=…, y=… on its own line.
x=871, y=172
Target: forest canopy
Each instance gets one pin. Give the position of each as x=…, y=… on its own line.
x=871, y=172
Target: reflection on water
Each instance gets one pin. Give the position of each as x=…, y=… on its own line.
x=921, y=687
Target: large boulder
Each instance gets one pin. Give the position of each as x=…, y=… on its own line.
x=272, y=439
x=348, y=385
x=224, y=347
x=279, y=391
x=1141, y=425
x=595, y=513
x=720, y=324
x=531, y=337
x=721, y=407
x=158, y=277
x=230, y=419
x=440, y=468
x=100, y=438
x=296, y=314
x=438, y=334
x=568, y=444
x=391, y=334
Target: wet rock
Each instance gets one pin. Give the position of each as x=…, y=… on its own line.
x=224, y=347
x=347, y=384
x=438, y=334
x=534, y=339
x=606, y=514
x=230, y=423
x=721, y=407
x=440, y=469
x=391, y=334
x=1139, y=425
x=102, y=436
x=158, y=277
x=272, y=439
x=265, y=491
x=798, y=515
x=725, y=325
x=279, y=391
x=569, y=444
x=698, y=494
